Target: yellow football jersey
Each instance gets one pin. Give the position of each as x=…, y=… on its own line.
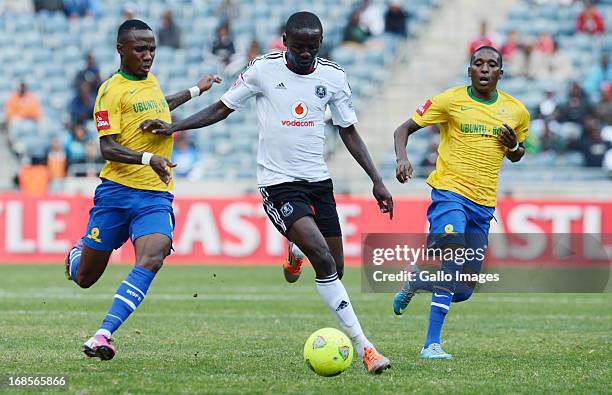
x=123, y=102
x=469, y=155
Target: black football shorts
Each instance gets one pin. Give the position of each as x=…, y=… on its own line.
x=287, y=202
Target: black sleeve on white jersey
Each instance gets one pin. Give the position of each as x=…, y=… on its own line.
x=246, y=86
x=341, y=106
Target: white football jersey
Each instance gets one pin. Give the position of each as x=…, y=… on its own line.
x=291, y=115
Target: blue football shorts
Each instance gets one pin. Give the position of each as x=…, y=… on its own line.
x=454, y=219
x=121, y=212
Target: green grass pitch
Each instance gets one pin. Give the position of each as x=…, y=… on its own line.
x=213, y=329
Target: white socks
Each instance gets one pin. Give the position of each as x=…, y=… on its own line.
x=334, y=294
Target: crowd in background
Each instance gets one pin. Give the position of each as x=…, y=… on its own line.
x=77, y=154
x=368, y=20
x=578, y=121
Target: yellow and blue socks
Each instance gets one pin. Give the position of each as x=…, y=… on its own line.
x=130, y=294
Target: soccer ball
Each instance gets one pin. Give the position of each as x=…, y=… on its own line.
x=328, y=352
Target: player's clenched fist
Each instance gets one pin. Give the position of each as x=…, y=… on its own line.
x=507, y=136
x=383, y=197
x=160, y=165
x=403, y=170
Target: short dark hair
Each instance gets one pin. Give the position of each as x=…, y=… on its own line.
x=303, y=20
x=132, y=24
x=490, y=48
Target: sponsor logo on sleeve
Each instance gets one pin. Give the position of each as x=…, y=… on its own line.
x=102, y=122
x=423, y=109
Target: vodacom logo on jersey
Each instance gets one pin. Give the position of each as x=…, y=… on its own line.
x=299, y=110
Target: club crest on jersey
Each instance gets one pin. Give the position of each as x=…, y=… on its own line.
x=320, y=91
x=299, y=110
x=287, y=209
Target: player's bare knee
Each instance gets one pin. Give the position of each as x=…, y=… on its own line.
x=83, y=281
x=322, y=261
x=151, y=262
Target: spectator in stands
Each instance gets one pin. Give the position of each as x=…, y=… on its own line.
x=82, y=105
x=483, y=38
x=395, y=19
x=603, y=110
x=371, y=18
x=510, y=47
x=522, y=64
x=577, y=106
x=553, y=66
x=75, y=146
x=353, y=32
x=184, y=155
x=81, y=8
x=545, y=44
x=92, y=162
x=227, y=11
x=593, y=146
x=599, y=76
x=277, y=45
x=550, y=140
x=89, y=75
x=49, y=5
x=16, y=7
x=240, y=61
x=169, y=33
x=56, y=162
x=22, y=105
x=223, y=46
x=548, y=108
x=590, y=20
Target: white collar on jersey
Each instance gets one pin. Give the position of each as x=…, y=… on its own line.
x=314, y=66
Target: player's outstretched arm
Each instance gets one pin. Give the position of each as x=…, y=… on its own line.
x=115, y=152
x=355, y=145
x=403, y=168
x=507, y=137
x=184, y=96
x=212, y=114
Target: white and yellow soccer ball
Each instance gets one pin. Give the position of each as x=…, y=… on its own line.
x=328, y=352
